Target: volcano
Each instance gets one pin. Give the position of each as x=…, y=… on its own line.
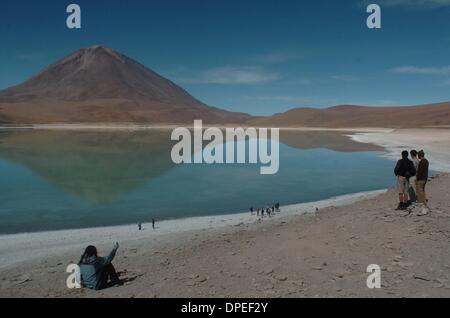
x=101, y=85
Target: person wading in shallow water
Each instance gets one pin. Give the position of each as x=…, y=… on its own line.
x=98, y=272
x=153, y=223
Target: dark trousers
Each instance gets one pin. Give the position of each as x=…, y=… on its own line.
x=108, y=277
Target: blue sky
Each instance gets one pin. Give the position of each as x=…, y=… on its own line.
x=256, y=56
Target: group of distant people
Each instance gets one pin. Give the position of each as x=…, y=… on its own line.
x=140, y=228
x=412, y=177
x=269, y=210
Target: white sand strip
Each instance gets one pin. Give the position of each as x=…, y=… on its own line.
x=17, y=248
x=435, y=143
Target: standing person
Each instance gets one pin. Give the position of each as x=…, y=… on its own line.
x=257, y=212
x=97, y=271
x=251, y=210
x=404, y=170
x=153, y=223
x=421, y=181
x=412, y=181
x=140, y=226
x=414, y=158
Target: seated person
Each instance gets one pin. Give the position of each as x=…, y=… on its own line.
x=97, y=271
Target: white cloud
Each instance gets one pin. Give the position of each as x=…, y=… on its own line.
x=344, y=78
x=276, y=57
x=442, y=70
x=232, y=75
x=300, y=81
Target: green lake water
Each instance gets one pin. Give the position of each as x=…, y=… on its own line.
x=51, y=180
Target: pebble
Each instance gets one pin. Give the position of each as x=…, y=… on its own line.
x=282, y=278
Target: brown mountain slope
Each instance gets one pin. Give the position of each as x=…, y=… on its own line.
x=359, y=116
x=98, y=84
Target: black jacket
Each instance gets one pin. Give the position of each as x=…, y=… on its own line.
x=405, y=168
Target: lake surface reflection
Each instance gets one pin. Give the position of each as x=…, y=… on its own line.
x=75, y=179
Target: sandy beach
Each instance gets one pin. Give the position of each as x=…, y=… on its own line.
x=297, y=253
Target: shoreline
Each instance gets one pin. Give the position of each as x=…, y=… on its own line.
x=23, y=247
x=133, y=127
x=434, y=141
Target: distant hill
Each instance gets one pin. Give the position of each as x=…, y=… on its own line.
x=360, y=116
x=100, y=85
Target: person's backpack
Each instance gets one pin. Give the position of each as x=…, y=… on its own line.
x=412, y=194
